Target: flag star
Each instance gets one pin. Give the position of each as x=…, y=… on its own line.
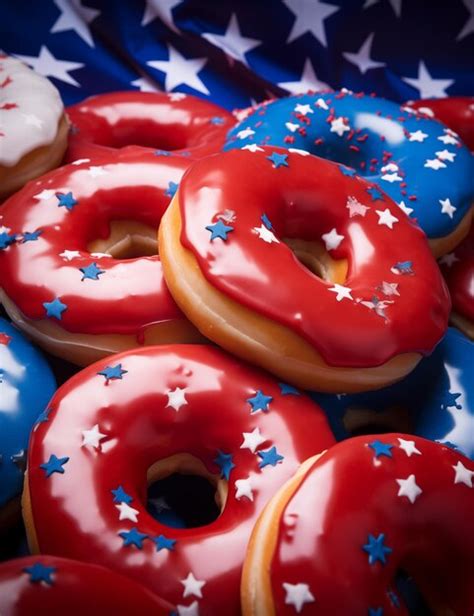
x=70, y=254
x=309, y=17
x=427, y=86
x=243, y=488
x=232, y=42
x=297, y=595
x=321, y=103
x=339, y=126
x=448, y=139
x=292, y=127
x=127, y=513
x=181, y=71
x=145, y=84
x=92, y=437
x=192, y=586
x=75, y=17
x=386, y=218
x=409, y=488
x=162, y=9
x=405, y=208
x=376, y=549
x=418, y=135
x=341, y=291
x=468, y=27
x=303, y=109
x=48, y=66
x=362, y=58
x=45, y=194
x=32, y=120
x=463, y=475
x=449, y=259
x=246, y=132
x=176, y=398
x=447, y=207
x=265, y=234
x=355, y=207
x=397, y=9
x=446, y=155
x=252, y=147
x=55, y=308
x=308, y=81
x=332, y=239
x=189, y=610
x=40, y=573
x=96, y=171
x=252, y=440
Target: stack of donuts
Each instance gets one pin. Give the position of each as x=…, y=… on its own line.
x=236, y=354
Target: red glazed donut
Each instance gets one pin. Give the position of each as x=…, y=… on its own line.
x=61, y=587
x=156, y=411
x=334, y=537
x=59, y=282
x=228, y=243
x=185, y=124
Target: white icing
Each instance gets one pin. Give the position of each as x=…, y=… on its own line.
x=34, y=121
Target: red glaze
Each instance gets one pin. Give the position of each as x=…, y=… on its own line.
x=308, y=199
x=457, y=112
x=74, y=513
x=458, y=270
x=130, y=294
x=327, y=522
x=66, y=587
x=185, y=124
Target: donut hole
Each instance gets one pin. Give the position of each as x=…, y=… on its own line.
x=360, y=420
x=127, y=240
x=314, y=257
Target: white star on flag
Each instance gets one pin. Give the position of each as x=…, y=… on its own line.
x=427, y=86
x=48, y=66
x=75, y=16
x=232, y=42
x=181, y=71
x=309, y=17
x=162, y=9
x=362, y=58
x=308, y=81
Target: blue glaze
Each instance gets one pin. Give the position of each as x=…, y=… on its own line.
x=379, y=126
x=438, y=397
x=26, y=386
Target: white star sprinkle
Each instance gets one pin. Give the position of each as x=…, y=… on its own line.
x=252, y=440
x=192, y=586
x=92, y=437
x=409, y=488
x=189, y=610
x=252, y=147
x=265, y=234
x=418, y=135
x=386, y=218
x=246, y=132
x=449, y=259
x=303, y=109
x=45, y=194
x=409, y=447
x=243, y=488
x=341, y=291
x=69, y=255
x=434, y=163
x=176, y=398
x=356, y=208
x=463, y=475
x=292, y=127
x=297, y=595
x=321, y=104
x=405, y=208
x=448, y=139
x=447, y=207
x=127, y=513
x=446, y=155
x=181, y=71
x=339, y=127
x=96, y=171
x=389, y=167
x=389, y=288
x=332, y=239
x=391, y=177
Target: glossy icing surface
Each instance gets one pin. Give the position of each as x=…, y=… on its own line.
x=26, y=386
x=268, y=195
x=177, y=122
x=405, y=506
x=47, y=269
x=161, y=402
x=436, y=399
x=458, y=270
x=58, y=586
x=414, y=159
x=30, y=110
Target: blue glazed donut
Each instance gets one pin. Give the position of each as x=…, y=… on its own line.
x=416, y=160
x=26, y=386
x=435, y=401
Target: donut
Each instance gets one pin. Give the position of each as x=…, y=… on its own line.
x=457, y=112
x=179, y=123
x=304, y=269
x=458, y=270
x=436, y=401
x=59, y=586
x=326, y=544
x=33, y=125
x=186, y=409
x=80, y=273
x=26, y=386
x=414, y=159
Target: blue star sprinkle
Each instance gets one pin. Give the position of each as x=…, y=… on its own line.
x=375, y=611
x=278, y=160
x=66, y=200
x=376, y=549
x=403, y=267
x=225, y=463
x=269, y=457
x=381, y=449
x=112, y=373
x=162, y=153
x=6, y=239
x=375, y=193
x=163, y=543
x=31, y=237
x=347, y=171
x=217, y=121
x=55, y=308
x=91, y=272
x=259, y=402
x=40, y=573
x=54, y=465
x=171, y=190
x=287, y=390
x=133, y=537
x=264, y=218
x=219, y=230
x=44, y=416
x=120, y=496
x=448, y=399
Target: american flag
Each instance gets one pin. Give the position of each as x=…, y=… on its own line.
x=238, y=52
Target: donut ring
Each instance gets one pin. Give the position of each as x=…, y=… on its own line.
x=436, y=401
x=59, y=282
x=189, y=409
x=416, y=160
x=33, y=125
x=26, y=386
x=225, y=245
x=177, y=122
x=58, y=586
x=327, y=545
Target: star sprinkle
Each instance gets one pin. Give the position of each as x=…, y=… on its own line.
x=448, y=139
x=176, y=398
x=446, y=155
x=292, y=127
x=92, y=437
x=386, y=218
x=391, y=177
x=377, y=305
x=192, y=586
x=6, y=239
x=417, y=135
x=303, y=109
x=219, y=230
x=243, y=488
x=171, y=190
x=376, y=549
x=405, y=208
x=269, y=457
x=259, y=402
x=245, y=133
x=321, y=104
x=381, y=449
x=287, y=390
x=278, y=160
x=225, y=463
x=252, y=147
x=31, y=237
x=164, y=543
x=91, y=272
x=402, y=267
x=409, y=488
x=434, y=163
x=341, y=292
x=375, y=193
x=297, y=595
x=463, y=475
x=127, y=513
x=112, y=373
x=120, y=496
x=356, y=208
x=409, y=447
x=40, y=573
x=332, y=239
x=447, y=207
x=189, y=610
x=266, y=235
x=266, y=221
x=449, y=259
x=69, y=255
x=66, y=200
x=54, y=465
x=389, y=288
x=252, y=440
x=55, y=308
x=339, y=127
x=347, y=171
x=133, y=537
